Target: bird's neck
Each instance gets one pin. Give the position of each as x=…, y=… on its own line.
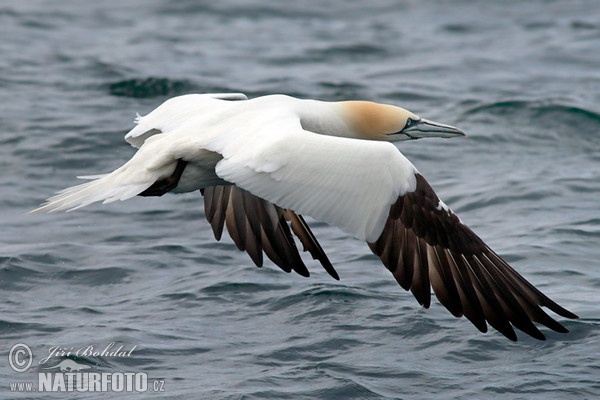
x=325, y=118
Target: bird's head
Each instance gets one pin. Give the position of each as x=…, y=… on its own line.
x=376, y=121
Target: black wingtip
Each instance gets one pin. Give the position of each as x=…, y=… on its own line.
x=510, y=334
x=165, y=185
x=334, y=275
x=309, y=241
x=566, y=313
x=327, y=266
x=303, y=272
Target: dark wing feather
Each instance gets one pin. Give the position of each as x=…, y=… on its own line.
x=309, y=241
x=258, y=226
x=423, y=243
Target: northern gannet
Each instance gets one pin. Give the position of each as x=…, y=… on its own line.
x=261, y=163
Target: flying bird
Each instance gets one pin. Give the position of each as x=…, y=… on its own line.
x=263, y=163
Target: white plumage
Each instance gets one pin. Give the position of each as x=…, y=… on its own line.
x=263, y=162
x=261, y=146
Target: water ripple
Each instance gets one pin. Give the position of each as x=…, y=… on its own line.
x=546, y=113
x=520, y=77
x=149, y=87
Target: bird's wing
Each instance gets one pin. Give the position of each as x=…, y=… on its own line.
x=176, y=112
x=345, y=182
x=257, y=226
x=254, y=224
x=424, y=243
x=372, y=191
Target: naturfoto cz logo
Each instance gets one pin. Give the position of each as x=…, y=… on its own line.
x=69, y=375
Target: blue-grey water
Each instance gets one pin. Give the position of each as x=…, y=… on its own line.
x=521, y=78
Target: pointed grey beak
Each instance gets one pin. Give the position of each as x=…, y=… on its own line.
x=423, y=128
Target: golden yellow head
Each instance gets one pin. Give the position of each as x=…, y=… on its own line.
x=376, y=121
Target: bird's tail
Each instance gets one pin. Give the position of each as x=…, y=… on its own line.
x=102, y=188
x=123, y=183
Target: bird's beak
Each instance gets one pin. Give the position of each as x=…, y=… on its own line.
x=424, y=128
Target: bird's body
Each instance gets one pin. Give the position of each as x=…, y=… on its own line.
x=263, y=162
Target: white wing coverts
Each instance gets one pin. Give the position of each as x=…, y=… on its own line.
x=328, y=178
x=262, y=163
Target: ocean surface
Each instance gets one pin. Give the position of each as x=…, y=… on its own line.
x=142, y=286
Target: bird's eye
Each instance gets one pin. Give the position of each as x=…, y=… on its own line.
x=411, y=122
